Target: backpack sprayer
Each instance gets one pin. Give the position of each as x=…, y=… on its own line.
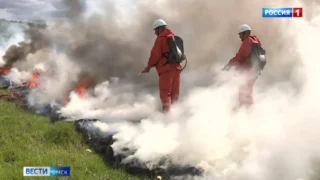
x=176, y=54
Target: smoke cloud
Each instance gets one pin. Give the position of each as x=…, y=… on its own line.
x=23, y=49
x=277, y=139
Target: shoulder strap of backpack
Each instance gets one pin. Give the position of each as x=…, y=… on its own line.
x=257, y=47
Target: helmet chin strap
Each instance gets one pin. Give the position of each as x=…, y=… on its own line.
x=242, y=36
x=159, y=30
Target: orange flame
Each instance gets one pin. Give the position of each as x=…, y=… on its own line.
x=80, y=89
x=5, y=70
x=33, y=81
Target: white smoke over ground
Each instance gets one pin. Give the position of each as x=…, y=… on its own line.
x=56, y=78
x=277, y=139
x=110, y=105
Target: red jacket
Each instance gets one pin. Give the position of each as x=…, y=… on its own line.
x=241, y=60
x=161, y=46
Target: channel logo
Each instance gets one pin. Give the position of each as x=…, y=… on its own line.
x=46, y=171
x=285, y=12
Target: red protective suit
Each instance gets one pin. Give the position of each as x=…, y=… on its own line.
x=242, y=63
x=169, y=74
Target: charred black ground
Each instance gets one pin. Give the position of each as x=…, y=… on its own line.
x=102, y=142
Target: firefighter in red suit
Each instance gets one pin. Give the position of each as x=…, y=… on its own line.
x=242, y=63
x=169, y=74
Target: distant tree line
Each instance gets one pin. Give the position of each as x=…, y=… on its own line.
x=6, y=32
x=31, y=24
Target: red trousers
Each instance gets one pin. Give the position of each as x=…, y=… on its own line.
x=169, y=87
x=246, y=88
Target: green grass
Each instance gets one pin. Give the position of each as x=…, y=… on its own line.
x=28, y=139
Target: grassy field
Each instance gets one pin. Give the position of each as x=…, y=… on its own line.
x=27, y=139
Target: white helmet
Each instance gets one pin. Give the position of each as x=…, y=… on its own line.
x=244, y=27
x=158, y=23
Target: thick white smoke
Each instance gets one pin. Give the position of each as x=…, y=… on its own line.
x=111, y=103
x=57, y=73
x=277, y=139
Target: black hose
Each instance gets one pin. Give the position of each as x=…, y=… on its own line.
x=185, y=65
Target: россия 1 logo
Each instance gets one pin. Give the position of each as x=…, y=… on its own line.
x=282, y=12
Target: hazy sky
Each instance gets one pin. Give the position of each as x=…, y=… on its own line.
x=30, y=9
x=45, y=9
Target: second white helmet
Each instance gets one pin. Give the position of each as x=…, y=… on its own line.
x=243, y=28
x=159, y=22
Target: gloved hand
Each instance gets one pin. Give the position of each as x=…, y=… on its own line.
x=226, y=68
x=146, y=70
